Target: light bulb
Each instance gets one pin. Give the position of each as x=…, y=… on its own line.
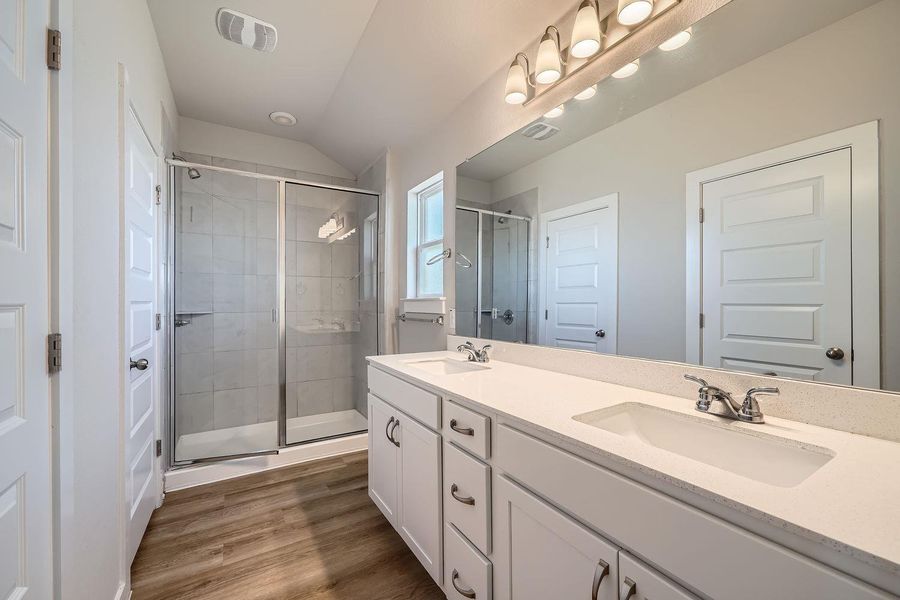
x=516, y=83
x=586, y=33
x=628, y=70
x=587, y=94
x=549, y=65
x=555, y=112
x=676, y=41
x=632, y=12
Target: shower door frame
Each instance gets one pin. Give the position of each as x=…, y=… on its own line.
x=280, y=281
x=481, y=212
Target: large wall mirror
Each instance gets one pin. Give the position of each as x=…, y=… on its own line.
x=734, y=202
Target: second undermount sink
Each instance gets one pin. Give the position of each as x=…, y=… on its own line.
x=755, y=455
x=446, y=366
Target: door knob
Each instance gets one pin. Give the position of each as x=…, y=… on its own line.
x=600, y=333
x=834, y=353
x=141, y=364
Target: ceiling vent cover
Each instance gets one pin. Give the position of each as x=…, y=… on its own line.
x=540, y=131
x=245, y=30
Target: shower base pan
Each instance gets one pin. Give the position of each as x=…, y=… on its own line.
x=263, y=436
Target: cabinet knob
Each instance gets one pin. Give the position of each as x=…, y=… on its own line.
x=834, y=353
x=600, y=333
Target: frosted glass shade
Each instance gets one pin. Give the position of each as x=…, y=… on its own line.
x=587, y=93
x=586, y=33
x=549, y=65
x=516, y=84
x=632, y=12
x=628, y=70
x=555, y=112
x=676, y=41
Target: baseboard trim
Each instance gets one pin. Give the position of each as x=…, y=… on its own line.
x=179, y=479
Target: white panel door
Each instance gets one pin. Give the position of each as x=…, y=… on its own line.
x=776, y=270
x=581, y=283
x=140, y=331
x=540, y=553
x=419, y=487
x=383, y=458
x=26, y=570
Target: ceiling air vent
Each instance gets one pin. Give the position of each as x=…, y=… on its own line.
x=245, y=30
x=540, y=131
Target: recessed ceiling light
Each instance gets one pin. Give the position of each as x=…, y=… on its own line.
x=628, y=70
x=676, y=41
x=587, y=93
x=283, y=118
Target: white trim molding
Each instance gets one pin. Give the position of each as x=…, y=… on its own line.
x=608, y=201
x=862, y=140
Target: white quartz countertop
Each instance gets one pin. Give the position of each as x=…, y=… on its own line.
x=851, y=504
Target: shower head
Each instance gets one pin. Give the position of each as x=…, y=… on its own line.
x=192, y=172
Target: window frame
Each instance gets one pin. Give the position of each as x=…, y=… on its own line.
x=420, y=247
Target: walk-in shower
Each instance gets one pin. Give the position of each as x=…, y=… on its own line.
x=273, y=302
x=494, y=275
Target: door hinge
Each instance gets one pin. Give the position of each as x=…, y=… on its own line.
x=702, y=320
x=546, y=314
x=54, y=353
x=158, y=321
x=852, y=354
x=159, y=447
x=158, y=194
x=548, y=241
x=701, y=214
x=54, y=49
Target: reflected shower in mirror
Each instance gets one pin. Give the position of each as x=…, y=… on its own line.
x=734, y=203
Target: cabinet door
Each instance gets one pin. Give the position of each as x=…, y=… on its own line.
x=420, y=492
x=637, y=581
x=383, y=458
x=541, y=553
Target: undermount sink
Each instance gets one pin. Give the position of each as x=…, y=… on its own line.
x=755, y=455
x=446, y=366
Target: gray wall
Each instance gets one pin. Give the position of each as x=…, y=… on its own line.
x=840, y=76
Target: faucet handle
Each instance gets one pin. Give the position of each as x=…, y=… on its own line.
x=750, y=408
x=696, y=379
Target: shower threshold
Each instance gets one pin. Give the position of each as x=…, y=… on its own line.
x=262, y=436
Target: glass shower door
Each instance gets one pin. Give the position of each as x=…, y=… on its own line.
x=225, y=350
x=331, y=312
x=509, y=281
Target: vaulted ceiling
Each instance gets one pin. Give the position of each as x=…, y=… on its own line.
x=360, y=75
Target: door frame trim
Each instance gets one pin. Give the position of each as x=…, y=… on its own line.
x=610, y=201
x=862, y=140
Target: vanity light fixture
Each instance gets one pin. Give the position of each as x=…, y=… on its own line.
x=517, y=80
x=587, y=93
x=676, y=41
x=549, y=60
x=586, y=36
x=628, y=70
x=555, y=112
x=633, y=12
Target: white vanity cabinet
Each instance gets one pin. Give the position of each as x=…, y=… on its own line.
x=637, y=581
x=405, y=480
x=541, y=553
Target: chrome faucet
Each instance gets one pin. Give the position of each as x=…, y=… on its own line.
x=748, y=411
x=475, y=355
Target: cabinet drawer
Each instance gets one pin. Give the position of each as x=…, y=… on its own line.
x=637, y=581
x=669, y=533
x=467, y=429
x=467, y=496
x=416, y=402
x=467, y=574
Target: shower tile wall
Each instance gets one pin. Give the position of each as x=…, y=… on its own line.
x=227, y=358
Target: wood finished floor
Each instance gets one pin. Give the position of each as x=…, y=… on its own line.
x=307, y=531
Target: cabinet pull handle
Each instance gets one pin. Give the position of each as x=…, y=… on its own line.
x=464, y=499
x=470, y=593
x=462, y=430
x=628, y=589
x=386, y=432
x=600, y=573
x=391, y=436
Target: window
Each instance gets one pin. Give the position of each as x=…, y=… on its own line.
x=425, y=239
